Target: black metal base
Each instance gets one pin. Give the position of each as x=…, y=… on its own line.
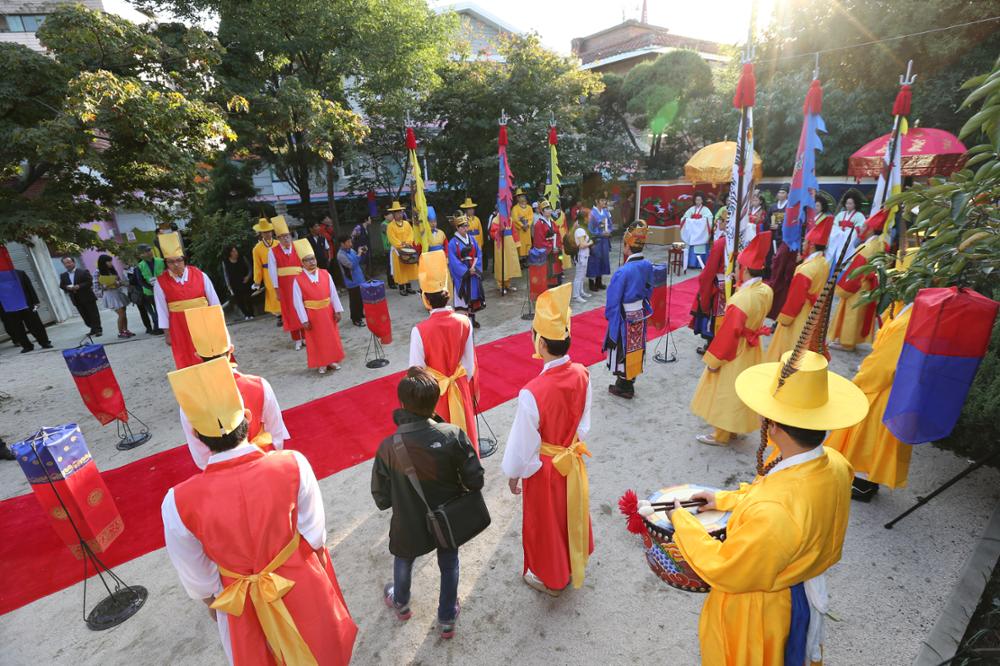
x=527, y=316
x=377, y=363
x=117, y=608
x=947, y=484
x=487, y=447
x=132, y=440
x=660, y=357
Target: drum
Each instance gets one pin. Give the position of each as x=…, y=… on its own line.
x=662, y=554
x=408, y=255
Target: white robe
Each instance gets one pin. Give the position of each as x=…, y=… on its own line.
x=160, y=299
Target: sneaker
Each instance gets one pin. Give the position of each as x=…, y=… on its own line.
x=535, y=583
x=579, y=299
x=403, y=613
x=448, y=628
x=124, y=336
x=322, y=370
x=359, y=324
x=614, y=390
x=298, y=345
x=25, y=350
x=512, y=288
x=710, y=440
x=334, y=366
x=46, y=345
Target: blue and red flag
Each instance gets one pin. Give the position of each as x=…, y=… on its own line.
x=504, y=198
x=12, y=298
x=946, y=339
x=372, y=206
x=802, y=193
x=97, y=383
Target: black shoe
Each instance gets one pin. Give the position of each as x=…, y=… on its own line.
x=359, y=324
x=701, y=350
x=157, y=331
x=46, y=345
x=95, y=334
x=403, y=292
x=5, y=452
x=614, y=390
x=25, y=350
x=279, y=321
x=863, y=490
x=475, y=324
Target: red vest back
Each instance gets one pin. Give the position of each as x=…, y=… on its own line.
x=561, y=395
x=444, y=335
x=175, y=291
x=252, y=390
x=242, y=510
x=314, y=292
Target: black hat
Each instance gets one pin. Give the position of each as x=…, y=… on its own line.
x=783, y=187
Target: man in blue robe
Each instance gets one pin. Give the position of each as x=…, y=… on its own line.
x=599, y=227
x=627, y=308
x=465, y=263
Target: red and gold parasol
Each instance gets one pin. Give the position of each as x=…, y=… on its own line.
x=925, y=152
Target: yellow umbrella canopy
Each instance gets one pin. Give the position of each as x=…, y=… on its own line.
x=713, y=164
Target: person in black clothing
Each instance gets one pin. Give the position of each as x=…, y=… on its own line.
x=320, y=246
x=446, y=465
x=361, y=239
x=79, y=284
x=21, y=322
x=238, y=274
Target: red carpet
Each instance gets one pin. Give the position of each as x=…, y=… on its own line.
x=40, y=564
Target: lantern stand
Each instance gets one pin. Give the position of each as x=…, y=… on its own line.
x=121, y=604
x=375, y=355
x=126, y=438
x=663, y=353
x=487, y=445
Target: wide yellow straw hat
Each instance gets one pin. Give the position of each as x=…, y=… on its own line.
x=208, y=396
x=395, y=207
x=468, y=203
x=812, y=397
x=263, y=225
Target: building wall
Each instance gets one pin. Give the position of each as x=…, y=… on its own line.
x=482, y=38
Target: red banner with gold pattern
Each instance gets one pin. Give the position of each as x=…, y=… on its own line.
x=97, y=383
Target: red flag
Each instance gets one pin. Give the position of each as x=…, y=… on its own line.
x=97, y=383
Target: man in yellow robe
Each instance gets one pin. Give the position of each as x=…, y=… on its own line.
x=261, y=276
x=768, y=595
x=400, y=236
x=853, y=323
x=522, y=215
x=807, y=283
x=735, y=347
x=871, y=449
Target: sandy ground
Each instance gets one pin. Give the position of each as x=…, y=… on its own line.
x=886, y=592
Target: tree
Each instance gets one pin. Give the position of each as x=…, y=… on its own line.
x=113, y=119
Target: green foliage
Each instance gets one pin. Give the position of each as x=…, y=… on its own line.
x=209, y=235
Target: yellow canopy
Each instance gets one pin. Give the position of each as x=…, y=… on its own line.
x=713, y=164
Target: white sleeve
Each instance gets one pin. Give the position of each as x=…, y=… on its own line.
x=311, y=515
x=210, y=295
x=416, y=349
x=272, y=268
x=334, y=296
x=520, y=458
x=200, y=453
x=199, y=575
x=300, y=307
x=273, y=422
x=469, y=356
x=584, y=426
x=160, y=300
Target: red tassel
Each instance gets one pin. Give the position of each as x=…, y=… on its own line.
x=553, y=138
x=814, y=99
x=503, y=135
x=411, y=139
x=628, y=504
x=746, y=88
x=901, y=107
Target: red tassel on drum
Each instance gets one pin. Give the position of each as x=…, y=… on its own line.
x=901, y=107
x=746, y=88
x=628, y=504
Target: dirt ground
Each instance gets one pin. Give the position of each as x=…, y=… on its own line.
x=886, y=593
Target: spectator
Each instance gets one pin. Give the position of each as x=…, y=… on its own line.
x=237, y=272
x=362, y=243
x=148, y=269
x=21, y=322
x=350, y=267
x=79, y=284
x=384, y=228
x=320, y=245
x=134, y=290
x=446, y=466
x=110, y=284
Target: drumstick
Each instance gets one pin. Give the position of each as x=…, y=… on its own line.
x=685, y=504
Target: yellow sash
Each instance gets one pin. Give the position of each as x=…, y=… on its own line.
x=449, y=385
x=287, y=271
x=317, y=305
x=266, y=590
x=181, y=306
x=568, y=461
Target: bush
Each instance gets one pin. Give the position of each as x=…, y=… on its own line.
x=210, y=234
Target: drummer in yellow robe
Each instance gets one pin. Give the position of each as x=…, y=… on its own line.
x=853, y=322
x=261, y=277
x=523, y=217
x=735, y=347
x=807, y=283
x=869, y=446
x=400, y=235
x=768, y=597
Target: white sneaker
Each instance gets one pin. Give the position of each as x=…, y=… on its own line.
x=580, y=299
x=535, y=583
x=334, y=366
x=585, y=296
x=322, y=370
x=298, y=345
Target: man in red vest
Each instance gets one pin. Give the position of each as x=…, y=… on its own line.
x=443, y=345
x=544, y=449
x=318, y=308
x=177, y=289
x=283, y=265
x=211, y=341
x=247, y=536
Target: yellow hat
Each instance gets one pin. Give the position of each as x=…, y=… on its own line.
x=170, y=245
x=280, y=226
x=812, y=397
x=208, y=396
x=468, y=203
x=552, y=312
x=207, y=326
x=263, y=225
x=432, y=272
x=520, y=193
x=394, y=207
x=303, y=248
